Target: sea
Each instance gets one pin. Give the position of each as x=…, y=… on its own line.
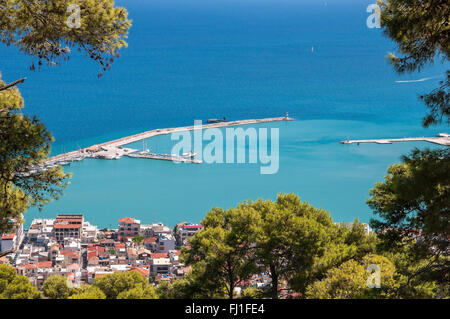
x=192, y=60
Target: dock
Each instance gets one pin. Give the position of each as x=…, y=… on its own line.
x=166, y=157
x=440, y=139
x=115, y=149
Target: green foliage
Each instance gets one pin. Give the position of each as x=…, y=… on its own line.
x=55, y=287
x=291, y=240
x=252, y=293
x=25, y=143
x=114, y=284
x=87, y=292
x=345, y=282
x=39, y=28
x=421, y=29
x=13, y=286
x=7, y=274
x=350, y=281
x=221, y=255
x=412, y=207
x=138, y=292
x=138, y=239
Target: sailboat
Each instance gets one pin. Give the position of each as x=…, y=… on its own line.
x=145, y=150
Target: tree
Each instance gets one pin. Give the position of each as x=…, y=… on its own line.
x=138, y=239
x=252, y=293
x=25, y=144
x=114, y=284
x=138, y=292
x=13, y=286
x=55, y=287
x=39, y=28
x=421, y=29
x=87, y=292
x=345, y=282
x=413, y=207
x=7, y=274
x=48, y=29
x=221, y=254
x=350, y=280
x=293, y=240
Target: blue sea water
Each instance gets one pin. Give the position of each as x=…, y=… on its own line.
x=200, y=59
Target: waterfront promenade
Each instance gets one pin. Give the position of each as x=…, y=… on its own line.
x=114, y=148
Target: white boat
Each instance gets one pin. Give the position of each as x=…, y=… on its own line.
x=147, y=151
x=189, y=154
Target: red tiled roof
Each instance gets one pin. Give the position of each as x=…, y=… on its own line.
x=8, y=236
x=66, y=226
x=159, y=255
x=127, y=220
x=73, y=266
x=44, y=264
x=150, y=240
x=143, y=272
x=29, y=266
x=76, y=220
x=70, y=253
x=92, y=255
x=120, y=245
x=192, y=226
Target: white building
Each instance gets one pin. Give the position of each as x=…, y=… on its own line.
x=165, y=243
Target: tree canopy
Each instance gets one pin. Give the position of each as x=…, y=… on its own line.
x=14, y=286
x=421, y=30
x=290, y=240
x=112, y=285
x=25, y=145
x=412, y=205
x=43, y=30
x=55, y=287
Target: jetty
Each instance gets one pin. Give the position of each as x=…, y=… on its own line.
x=115, y=149
x=166, y=157
x=440, y=139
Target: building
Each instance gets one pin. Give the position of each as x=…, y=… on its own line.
x=366, y=226
x=160, y=229
x=159, y=266
x=13, y=240
x=68, y=226
x=129, y=228
x=165, y=243
x=185, y=231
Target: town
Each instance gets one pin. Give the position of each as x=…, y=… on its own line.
x=72, y=247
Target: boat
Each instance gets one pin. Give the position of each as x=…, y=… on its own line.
x=189, y=154
x=216, y=120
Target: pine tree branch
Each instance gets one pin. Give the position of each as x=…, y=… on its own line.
x=7, y=86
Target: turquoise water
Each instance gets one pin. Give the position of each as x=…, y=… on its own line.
x=200, y=59
x=312, y=164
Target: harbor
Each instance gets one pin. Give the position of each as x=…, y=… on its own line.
x=440, y=139
x=116, y=149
